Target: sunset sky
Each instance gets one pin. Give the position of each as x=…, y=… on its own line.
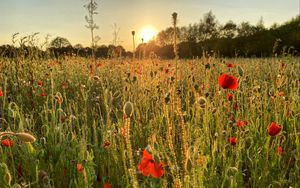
x=65, y=18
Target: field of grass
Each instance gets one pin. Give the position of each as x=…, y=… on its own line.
x=197, y=133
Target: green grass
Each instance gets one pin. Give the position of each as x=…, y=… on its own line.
x=191, y=140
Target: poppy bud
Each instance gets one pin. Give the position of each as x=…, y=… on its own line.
x=6, y=174
x=25, y=137
x=202, y=102
x=240, y=71
x=128, y=109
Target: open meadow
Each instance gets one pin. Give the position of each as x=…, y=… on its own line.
x=207, y=122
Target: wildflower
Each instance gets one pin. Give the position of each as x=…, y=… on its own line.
x=1, y=93
x=281, y=94
x=230, y=65
x=139, y=70
x=280, y=150
x=40, y=83
x=232, y=140
x=236, y=106
x=99, y=65
x=166, y=70
x=7, y=143
x=42, y=94
x=274, y=129
x=58, y=100
x=240, y=123
x=230, y=96
x=106, y=144
x=148, y=166
x=107, y=185
x=79, y=167
x=227, y=81
x=63, y=118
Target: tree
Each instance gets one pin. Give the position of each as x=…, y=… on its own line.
x=192, y=33
x=245, y=29
x=78, y=46
x=165, y=37
x=59, y=42
x=116, y=30
x=208, y=27
x=229, y=30
x=260, y=25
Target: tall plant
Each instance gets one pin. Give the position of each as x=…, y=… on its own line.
x=133, y=52
x=174, y=22
x=91, y=8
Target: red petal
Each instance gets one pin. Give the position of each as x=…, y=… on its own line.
x=157, y=170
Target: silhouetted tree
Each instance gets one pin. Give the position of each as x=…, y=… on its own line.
x=246, y=29
x=229, y=30
x=208, y=27
x=59, y=42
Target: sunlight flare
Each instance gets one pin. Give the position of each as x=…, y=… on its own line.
x=148, y=33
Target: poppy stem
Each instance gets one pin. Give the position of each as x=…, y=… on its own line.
x=131, y=170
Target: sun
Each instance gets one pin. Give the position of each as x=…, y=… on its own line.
x=148, y=33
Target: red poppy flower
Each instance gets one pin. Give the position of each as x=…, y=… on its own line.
x=7, y=143
x=79, y=167
x=166, y=70
x=274, y=129
x=63, y=118
x=240, y=123
x=107, y=185
x=40, y=83
x=230, y=65
x=99, y=65
x=230, y=96
x=227, y=81
x=236, y=106
x=106, y=144
x=148, y=166
x=280, y=150
x=281, y=94
x=232, y=140
x=43, y=94
x=139, y=70
x=58, y=100
x=1, y=93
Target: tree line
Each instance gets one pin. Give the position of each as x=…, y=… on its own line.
x=207, y=37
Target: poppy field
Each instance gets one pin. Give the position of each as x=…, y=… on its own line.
x=207, y=122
